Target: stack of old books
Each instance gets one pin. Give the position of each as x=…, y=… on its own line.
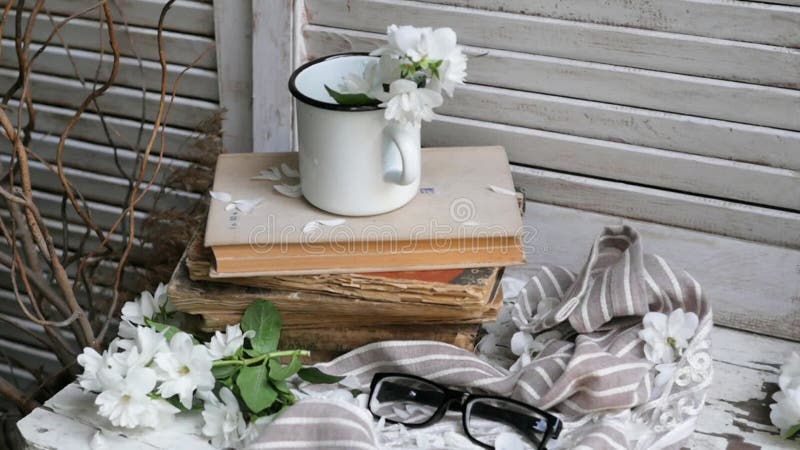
x=430, y=270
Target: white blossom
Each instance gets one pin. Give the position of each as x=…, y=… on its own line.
x=438, y=44
x=665, y=336
x=364, y=83
x=125, y=400
x=147, y=305
x=785, y=412
x=226, y=344
x=790, y=373
x=452, y=72
x=184, y=369
x=147, y=342
x=224, y=422
x=92, y=362
x=404, y=40
x=525, y=347
x=409, y=104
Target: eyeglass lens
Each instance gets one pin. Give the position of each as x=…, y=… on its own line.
x=406, y=400
x=491, y=421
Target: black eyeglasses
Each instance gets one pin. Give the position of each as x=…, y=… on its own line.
x=416, y=402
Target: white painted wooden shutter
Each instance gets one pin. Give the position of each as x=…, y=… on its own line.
x=683, y=113
x=88, y=155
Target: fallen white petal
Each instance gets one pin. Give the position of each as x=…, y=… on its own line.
x=289, y=171
x=271, y=174
x=247, y=205
x=221, y=196
x=289, y=190
x=501, y=190
x=99, y=442
x=315, y=225
x=311, y=227
x=331, y=222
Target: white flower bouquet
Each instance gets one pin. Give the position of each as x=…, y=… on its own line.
x=408, y=78
x=153, y=371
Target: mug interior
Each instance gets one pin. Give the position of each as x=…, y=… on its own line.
x=310, y=80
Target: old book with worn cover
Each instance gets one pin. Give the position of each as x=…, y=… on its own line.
x=461, y=287
x=465, y=215
x=223, y=303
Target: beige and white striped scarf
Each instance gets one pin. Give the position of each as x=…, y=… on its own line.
x=593, y=373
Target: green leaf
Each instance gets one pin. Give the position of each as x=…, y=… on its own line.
x=435, y=67
x=351, y=99
x=316, y=376
x=281, y=386
x=791, y=432
x=158, y=326
x=280, y=372
x=257, y=394
x=263, y=318
x=221, y=372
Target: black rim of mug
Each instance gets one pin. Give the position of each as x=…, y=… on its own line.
x=320, y=104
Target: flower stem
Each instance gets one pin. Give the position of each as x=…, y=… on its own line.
x=261, y=358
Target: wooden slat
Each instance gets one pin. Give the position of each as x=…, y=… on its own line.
x=777, y=2
x=682, y=133
x=104, y=215
x=105, y=189
x=751, y=286
x=272, y=103
x=624, y=162
x=682, y=210
x=95, y=158
x=703, y=97
x=76, y=235
x=124, y=132
x=676, y=53
x=55, y=60
x=180, y=48
x=235, y=57
x=734, y=20
x=183, y=16
x=104, y=276
x=30, y=356
x=116, y=101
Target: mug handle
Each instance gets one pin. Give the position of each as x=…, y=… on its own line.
x=407, y=142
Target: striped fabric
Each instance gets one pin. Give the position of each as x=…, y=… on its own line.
x=594, y=368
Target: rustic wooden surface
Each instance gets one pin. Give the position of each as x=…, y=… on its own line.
x=736, y=416
x=608, y=159
x=738, y=21
x=621, y=85
x=631, y=47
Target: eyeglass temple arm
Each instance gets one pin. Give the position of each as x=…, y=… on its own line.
x=392, y=391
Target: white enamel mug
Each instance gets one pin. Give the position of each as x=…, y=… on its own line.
x=352, y=160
